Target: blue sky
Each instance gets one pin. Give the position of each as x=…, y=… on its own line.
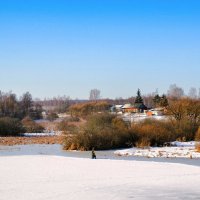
x=61, y=47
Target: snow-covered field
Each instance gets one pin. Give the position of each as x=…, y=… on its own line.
x=59, y=178
x=178, y=150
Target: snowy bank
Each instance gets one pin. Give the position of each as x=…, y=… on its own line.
x=53, y=177
x=177, y=150
x=52, y=133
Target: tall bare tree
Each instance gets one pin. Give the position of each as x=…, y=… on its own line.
x=26, y=102
x=8, y=104
x=192, y=93
x=199, y=94
x=175, y=91
x=94, y=94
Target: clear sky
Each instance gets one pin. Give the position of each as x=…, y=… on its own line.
x=68, y=47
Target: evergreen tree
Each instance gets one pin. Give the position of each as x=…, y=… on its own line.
x=160, y=101
x=138, y=99
x=164, y=101
x=156, y=100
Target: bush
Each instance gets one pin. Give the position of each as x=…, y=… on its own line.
x=31, y=126
x=143, y=142
x=186, y=113
x=105, y=131
x=66, y=127
x=88, y=108
x=197, y=139
x=185, y=130
x=52, y=116
x=10, y=127
x=73, y=119
x=152, y=133
x=102, y=131
x=156, y=133
x=197, y=136
x=62, y=126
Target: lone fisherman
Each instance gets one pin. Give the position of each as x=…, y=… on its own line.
x=93, y=154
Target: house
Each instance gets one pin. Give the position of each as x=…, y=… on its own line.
x=44, y=115
x=128, y=108
x=136, y=108
x=156, y=112
x=62, y=115
x=116, y=108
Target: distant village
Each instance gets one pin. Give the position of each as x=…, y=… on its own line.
x=139, y=111
x=128, y=111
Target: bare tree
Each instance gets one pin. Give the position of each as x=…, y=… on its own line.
x=148, y=100
x=26, y=102
x=185, y=110
x=175, y=91
x=192, y=93
x=8, y=104
x=199, y=94
x=94, y=94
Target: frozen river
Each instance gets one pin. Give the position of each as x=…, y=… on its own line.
x=57, y=150
x=39, y=172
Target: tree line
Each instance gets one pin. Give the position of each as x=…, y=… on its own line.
x=11, y=106
x=174, y=92
x=17, y=114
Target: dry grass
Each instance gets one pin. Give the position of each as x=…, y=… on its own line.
x=143, y=143
x=197, y=147
x=48, y=125
x=31, y=140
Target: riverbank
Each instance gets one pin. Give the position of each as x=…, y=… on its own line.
x=9, y=141
x=57, y=150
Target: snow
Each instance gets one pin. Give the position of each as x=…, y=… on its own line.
x=179, y=149
x=138, y=118
x=183, y=144
x=42, y=177
x=142, y=116
x=38, y=134
x=51, y=133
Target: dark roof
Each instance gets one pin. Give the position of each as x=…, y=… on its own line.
x=143, y=107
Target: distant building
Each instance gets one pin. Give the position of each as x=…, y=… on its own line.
x=44, y=115
x=136, y=108
x=62, y=115
x=116, y=108
x=156, y=112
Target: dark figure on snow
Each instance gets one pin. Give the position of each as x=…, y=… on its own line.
x=93, y=154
